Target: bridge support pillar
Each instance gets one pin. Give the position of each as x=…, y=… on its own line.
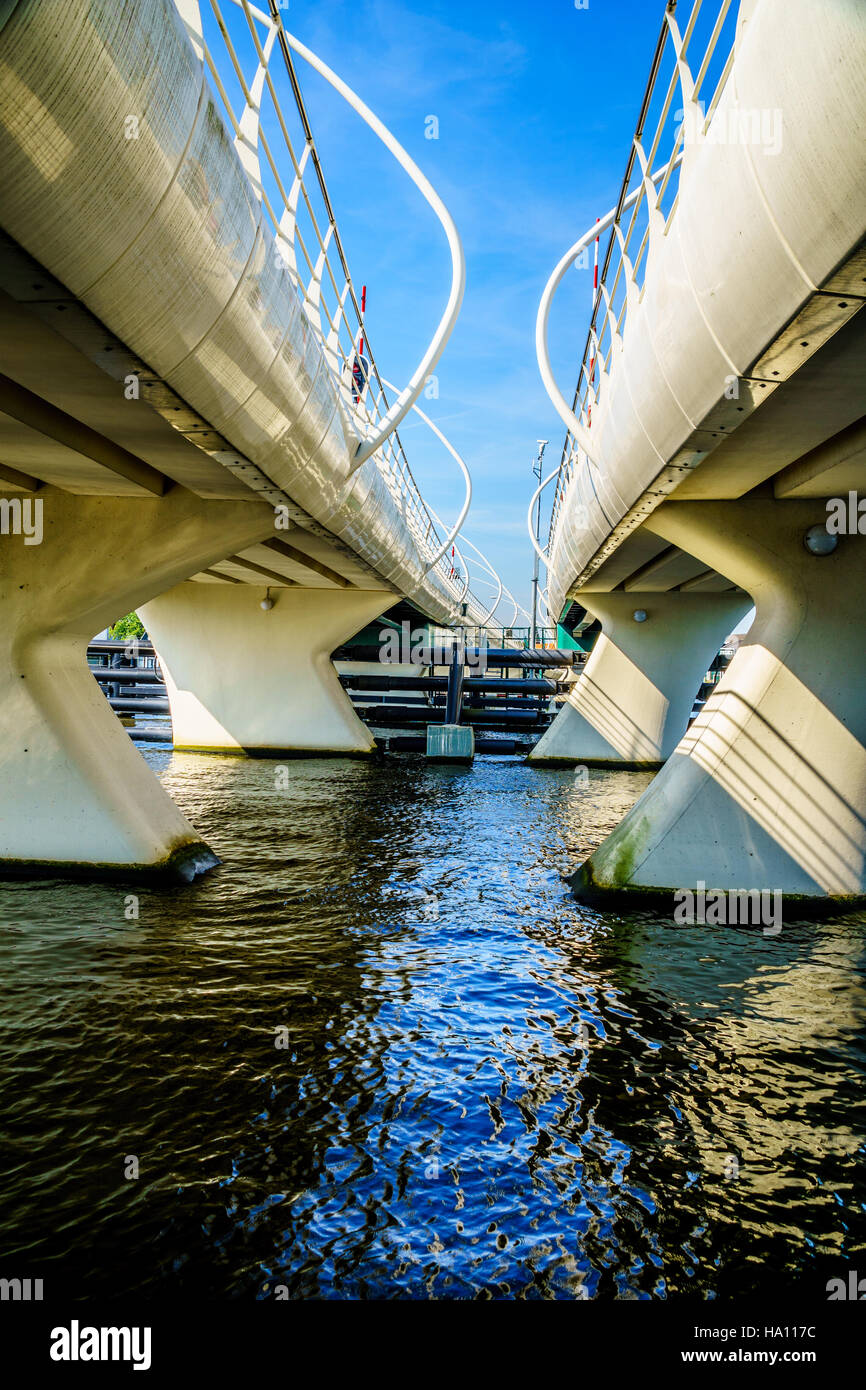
x=767, y=789
x=75, y=795
x=246, y=681
x=632, y=701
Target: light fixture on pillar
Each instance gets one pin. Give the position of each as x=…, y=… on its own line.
x=819, y=541
x=267, y=602
x=640, y=615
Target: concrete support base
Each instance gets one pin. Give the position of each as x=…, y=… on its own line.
x=75, y=795
x=245, y=681
x=450, y=743
x=632, y=701
x=767, y=790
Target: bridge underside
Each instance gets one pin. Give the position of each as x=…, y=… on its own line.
x=81, y=413
x=767, y=788
x=178, y=425
x=140, y=504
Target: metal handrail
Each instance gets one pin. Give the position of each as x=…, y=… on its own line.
x=455, y=529
x=415, y=386
x=495, y=581
x=566, y=413
x=316, y=262
x=530, y=518
x=495, y=576
x=619, y=271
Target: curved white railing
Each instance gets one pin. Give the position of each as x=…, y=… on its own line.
x=507, y=594
x=518, y=608
x=307, y=239
x=485, y=621
x=543, y=595
x=575, y=426
x=654, y=163
x=455, y=529
x=465, y=589
x=530, y=515
x=410, y=393
x=494, y=580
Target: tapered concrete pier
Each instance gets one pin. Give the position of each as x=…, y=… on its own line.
x=768, y=787
x=242, y=679
x=77, y=796
x=631, y=702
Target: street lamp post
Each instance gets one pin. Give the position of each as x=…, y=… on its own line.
x=536, y=468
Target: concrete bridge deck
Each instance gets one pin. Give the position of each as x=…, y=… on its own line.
x=718, y=413
x=190, y=410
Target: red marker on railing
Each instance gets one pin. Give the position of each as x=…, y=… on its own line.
x=595, y=273
x=592, y=320
x=360, y=366
x=364, y=310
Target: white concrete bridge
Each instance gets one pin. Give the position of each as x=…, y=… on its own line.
x=718, y=413
x=190, y=406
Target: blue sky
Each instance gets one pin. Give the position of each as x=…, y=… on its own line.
x=536, y=105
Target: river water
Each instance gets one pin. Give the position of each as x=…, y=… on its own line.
x=382, y=1052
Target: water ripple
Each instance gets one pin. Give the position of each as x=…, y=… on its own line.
x=381, y=1052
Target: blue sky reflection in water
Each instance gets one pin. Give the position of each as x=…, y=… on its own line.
x=488, y=1089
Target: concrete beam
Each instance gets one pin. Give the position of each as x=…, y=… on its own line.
x=40, y=415
x=830, y=470
x=300, y=557
x=21, y=482
x=260, y=570
x=223, y=578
